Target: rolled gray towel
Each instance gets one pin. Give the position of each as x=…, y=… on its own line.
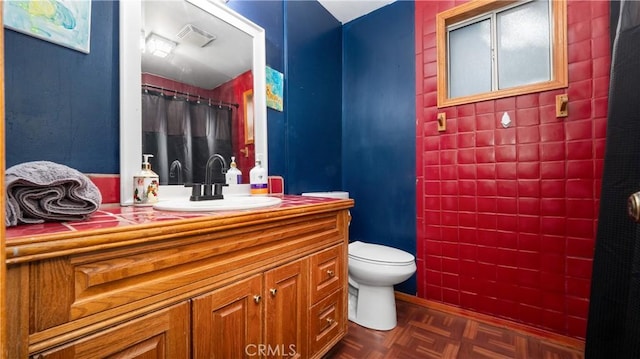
x=46, y=191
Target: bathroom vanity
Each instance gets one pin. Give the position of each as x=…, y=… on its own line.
x=137, y=282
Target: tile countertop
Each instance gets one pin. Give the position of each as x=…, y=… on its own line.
x=116, y=216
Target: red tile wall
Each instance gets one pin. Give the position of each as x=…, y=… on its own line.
x=507, y=217
x=108, y=185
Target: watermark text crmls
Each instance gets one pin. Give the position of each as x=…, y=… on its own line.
x=270, y=350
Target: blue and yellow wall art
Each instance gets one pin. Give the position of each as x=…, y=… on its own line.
x=275, y=86
x=63, y=22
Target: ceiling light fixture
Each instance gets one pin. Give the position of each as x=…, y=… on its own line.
x=160, y=46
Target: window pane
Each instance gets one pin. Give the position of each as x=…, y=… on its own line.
x=470, y=59
x=523, y=45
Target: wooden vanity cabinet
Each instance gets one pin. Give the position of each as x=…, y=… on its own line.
x=273, y=285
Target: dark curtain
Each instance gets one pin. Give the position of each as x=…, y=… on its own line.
x=154, y=132
x=613, y=327
x=182, y=135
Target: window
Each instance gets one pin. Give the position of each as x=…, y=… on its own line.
x=493, y=49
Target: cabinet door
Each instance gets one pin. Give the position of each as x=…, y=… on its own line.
x=286, y=311
x=227, y=323
x=163, y=334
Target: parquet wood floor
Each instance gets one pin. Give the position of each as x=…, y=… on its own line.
x=427, y=333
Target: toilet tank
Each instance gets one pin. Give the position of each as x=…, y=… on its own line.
x=329, y=194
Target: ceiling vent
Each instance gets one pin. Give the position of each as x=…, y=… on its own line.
x=190, y=34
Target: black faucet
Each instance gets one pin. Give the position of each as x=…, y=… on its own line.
x=175, y=172
x=211, y=190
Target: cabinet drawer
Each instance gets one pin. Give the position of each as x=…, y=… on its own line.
x=327, y=321
x=327, y=272
x=162, y=334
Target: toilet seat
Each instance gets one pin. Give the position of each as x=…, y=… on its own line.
x=379, y=254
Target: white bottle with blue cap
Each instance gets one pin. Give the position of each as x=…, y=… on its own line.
x=258, y=178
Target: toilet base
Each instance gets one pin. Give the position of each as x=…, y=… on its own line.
x=375, y=307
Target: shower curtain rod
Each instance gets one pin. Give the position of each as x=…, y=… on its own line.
x=189, y=95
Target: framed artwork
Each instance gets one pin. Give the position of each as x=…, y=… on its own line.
x=248, y=116
x=275, y=85
x=62, y=22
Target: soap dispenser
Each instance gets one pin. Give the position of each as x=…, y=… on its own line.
x=145, y=185
x=258, y=178
x=234, y=175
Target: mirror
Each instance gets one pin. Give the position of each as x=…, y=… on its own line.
x=207, y=27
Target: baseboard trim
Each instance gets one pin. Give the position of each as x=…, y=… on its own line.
x=559, y=339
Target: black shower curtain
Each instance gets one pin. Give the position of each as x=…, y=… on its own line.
x=613, y=327
x=182, y=135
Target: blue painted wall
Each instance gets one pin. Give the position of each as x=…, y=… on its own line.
x=304, y=42
x=378, y=127
x=313, y=88
x=62, y=105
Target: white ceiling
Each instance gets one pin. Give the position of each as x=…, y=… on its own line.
x=228, y=56
x=347, y=10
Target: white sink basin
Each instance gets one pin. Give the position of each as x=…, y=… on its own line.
x=227, y=204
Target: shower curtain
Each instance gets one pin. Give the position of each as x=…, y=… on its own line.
x=182, y=135
x=613, y=326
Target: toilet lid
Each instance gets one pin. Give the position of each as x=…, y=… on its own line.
x=379, y=253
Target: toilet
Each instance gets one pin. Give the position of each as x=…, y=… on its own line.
x=373, y=271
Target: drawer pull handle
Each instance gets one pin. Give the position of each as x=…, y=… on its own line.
x=330, y=273
x=257, y=298
x=330, y=321
x=273, y=291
